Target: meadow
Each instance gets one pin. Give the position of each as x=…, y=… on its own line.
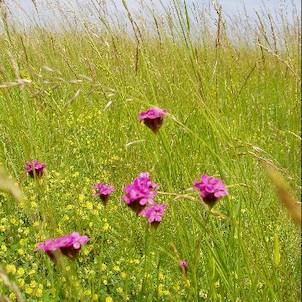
x=71, y=99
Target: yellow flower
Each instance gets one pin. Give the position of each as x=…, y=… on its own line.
x=119, y=290
x=23, y=242
x=87, y=292
x=161, y=276
x=20, y=271
x=89, y=205
x=13, y=221
x=108, y=299
x=116, y=268
x=103, y=267
x=12, y=297
x=105, y=227
x=124, y=275
x=95, y=297
x=33, y=204
x=3, y=248
x=39, y=293
x=28, y=290
x=21, y=282
x=20, y=252
x=105, y=282
x=65, y=217
x=33, y=284
x=11, y=268
x=81, y=197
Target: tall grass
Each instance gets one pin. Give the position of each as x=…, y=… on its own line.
x=71, y=97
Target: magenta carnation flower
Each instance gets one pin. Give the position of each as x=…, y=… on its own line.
x=153, y=118
x=68, y=245
x=51, y=248
x=154, y=213
x=140, y=193
x=211, y=189
x=35, y=169
x=103, y=191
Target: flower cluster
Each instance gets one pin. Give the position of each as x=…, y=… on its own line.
x=140, y=193
x=153, y=118
x=211, y=189
x=103, y=191
x=35, y=169
x=154, y=213
x=68, y=245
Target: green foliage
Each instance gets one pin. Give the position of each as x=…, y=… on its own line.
x=71, y=100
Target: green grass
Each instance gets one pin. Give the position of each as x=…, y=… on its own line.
x=234, y=107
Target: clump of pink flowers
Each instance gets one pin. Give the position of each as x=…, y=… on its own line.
x=103, y=191
x=68, y=245
x=35, y=169
x=140, y=193
x=154, y=213
x=153, y=118
x=211, y=189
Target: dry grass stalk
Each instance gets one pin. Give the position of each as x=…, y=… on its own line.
x=285, y=197
x=8, y=186
x=12, y=286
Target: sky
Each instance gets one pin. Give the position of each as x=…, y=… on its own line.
x=24, y=12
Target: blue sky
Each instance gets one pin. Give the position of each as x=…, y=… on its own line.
x=229, y=5
x=23, y=10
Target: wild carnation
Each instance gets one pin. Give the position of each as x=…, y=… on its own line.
x=183, y=265
x=68, y=245
x=153, y=118
x=103, y=192
x=211, y=189
x=154, y=213
x=35, y=169
x=140, y=193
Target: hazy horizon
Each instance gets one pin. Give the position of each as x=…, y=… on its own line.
x=26, y=14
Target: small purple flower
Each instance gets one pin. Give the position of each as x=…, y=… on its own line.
x=69, y=245
x=154, y=213
x=153, y=118
x=183, y=265
x=35, y=169
x=103, y=191
x=140, y=193
x=211, y=189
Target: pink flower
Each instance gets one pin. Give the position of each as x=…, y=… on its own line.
x=154, y=213
x=211, y=189
x=68, y=245
x=103, y=191
x=140, y=193
x=153, y=118
x=35, y=169
x=183, y=265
